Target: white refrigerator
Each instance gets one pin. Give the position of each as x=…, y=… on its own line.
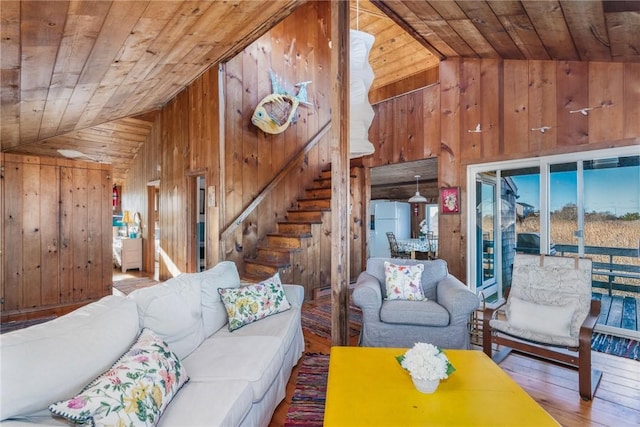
x=388, y=216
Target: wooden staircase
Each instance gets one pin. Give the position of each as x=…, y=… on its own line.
x=299, y=249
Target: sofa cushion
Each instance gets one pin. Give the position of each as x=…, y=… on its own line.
x=256, y=359
x=403, y=281
x=173, y=311
x=251, y=303
x=284, y=325
x=223, y=275
x=53, y=360
x=209, y=403
x=134, y=392
x=424, y=313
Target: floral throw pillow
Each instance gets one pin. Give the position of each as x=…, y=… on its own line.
x=250, y=303
x=134, y=392
x=403, y=281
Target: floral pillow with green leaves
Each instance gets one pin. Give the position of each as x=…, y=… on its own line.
x=403, y=282
x=250, y=303
x=134, y=392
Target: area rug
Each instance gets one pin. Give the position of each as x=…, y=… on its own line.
x=617, y=346
x=316, y=318
x=307, y=403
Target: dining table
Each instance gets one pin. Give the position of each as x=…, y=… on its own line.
x=423, y=245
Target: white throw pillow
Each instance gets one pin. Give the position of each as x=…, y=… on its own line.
x=540, y=318
x=404, y=282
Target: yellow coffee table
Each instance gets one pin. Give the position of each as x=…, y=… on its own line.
x=368, y=387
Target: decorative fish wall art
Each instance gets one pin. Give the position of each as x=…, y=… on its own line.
x=277, y=111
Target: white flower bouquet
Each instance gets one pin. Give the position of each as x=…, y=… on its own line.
x=424, y=227
x=426, y=362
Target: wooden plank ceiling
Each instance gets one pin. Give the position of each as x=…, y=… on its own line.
x=89, y=75
x=398, y=181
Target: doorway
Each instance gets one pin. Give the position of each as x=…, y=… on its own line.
x=153, y=225
x=197, y=250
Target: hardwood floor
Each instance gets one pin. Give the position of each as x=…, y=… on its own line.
x=616, y=402
x=125, y=283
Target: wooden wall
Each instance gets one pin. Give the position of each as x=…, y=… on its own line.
x=508, y=99
x=186, y=142
x=296, y=50
x=56, y=241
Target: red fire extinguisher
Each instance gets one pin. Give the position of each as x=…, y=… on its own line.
x=116, y=197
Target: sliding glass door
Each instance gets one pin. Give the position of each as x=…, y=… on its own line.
x=485, y=234
x=580, y=204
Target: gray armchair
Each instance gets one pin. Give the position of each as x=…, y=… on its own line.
x=441, y=319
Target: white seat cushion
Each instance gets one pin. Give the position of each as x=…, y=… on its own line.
x=210, y=403
x=283, y=325
x=424, y=313
x=256, y=360
x=556, y=340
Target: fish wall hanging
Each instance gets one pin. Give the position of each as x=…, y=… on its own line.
x=277, y=111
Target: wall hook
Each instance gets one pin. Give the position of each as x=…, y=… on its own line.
x=478, y=129
x=542, y=129
x=585, y=111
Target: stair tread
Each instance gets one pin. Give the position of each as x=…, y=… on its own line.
x=253, y=278
x=277, y=234
x=273, y=248
x=307, y=210
x=277, y=248
x=299, y=222
x=304, y=199
x=270, y=263
x=314, y=210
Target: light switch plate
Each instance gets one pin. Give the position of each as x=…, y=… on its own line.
x=211, y=196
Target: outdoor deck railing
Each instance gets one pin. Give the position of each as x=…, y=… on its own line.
x=629, y=273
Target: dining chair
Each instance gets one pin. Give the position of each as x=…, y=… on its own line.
x=394, y=248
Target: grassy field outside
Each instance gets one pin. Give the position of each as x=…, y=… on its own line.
x=611, y=233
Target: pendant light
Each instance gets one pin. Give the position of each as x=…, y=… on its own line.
x=361, y=77
x=417, y=198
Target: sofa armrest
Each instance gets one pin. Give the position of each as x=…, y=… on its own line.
x=457, y=298
x=294, y=293
x=368, y=296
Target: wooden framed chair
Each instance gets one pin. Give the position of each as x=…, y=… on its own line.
x=549, y=307
x=395, y=249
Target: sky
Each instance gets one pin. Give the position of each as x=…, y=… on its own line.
x=615, y=190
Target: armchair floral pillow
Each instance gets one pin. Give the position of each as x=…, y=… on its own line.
x=403, y=282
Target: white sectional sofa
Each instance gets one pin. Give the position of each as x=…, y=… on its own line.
x=235, y=378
